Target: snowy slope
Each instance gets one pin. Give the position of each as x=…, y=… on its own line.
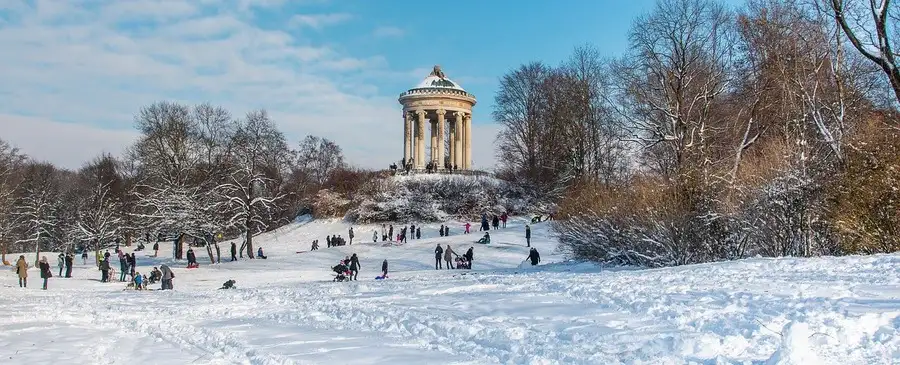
x=287, y=311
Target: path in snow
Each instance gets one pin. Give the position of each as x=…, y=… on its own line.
x=286, y=310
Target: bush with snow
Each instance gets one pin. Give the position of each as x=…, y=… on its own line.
x=428, y=198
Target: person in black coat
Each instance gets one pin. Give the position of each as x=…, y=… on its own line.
x=418, y=233
x=534, y=256
x=354, y=267
x=69, y=260
x=155, y=249
x=233, y=252
x=384, y=268
x=45, y=270
x=191, y=257
x=104, y=269
x=469, y=255
x=438, y=255
x=527, y=235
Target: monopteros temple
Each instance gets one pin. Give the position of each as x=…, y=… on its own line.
x=447, y=108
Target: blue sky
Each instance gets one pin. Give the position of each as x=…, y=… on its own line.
x=73, y=73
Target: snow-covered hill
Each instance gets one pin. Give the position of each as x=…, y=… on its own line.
x=286, y=310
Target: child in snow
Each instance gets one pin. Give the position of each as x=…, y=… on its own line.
x=138, y=281
x=259, y=254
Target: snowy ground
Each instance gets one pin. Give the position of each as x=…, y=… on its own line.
x=286, y=310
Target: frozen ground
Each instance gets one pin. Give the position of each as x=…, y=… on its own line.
x=286, y=310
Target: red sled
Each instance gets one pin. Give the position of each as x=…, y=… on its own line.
x=194, y=266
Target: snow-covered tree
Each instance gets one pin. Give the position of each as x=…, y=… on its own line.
x=36, y=209
x=258, y=157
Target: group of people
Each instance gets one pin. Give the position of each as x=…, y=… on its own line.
x=65, y=262
x=462, y=262
x=348, y=269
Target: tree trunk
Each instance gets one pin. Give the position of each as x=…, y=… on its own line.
x=218, y=253
x=37, y=252
x=249, y=244
x=210, y=253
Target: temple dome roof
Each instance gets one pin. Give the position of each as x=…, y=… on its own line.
x=437, y=80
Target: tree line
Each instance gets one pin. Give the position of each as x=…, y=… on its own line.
x=721, y=133
x=195, y=174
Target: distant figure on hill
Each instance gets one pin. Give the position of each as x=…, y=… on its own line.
x=104, y=271
x=350, y=236
x=441, y=231
x=192, y=258
x=384, y=269
x=468, y=226
x=61, y=262
x=484, y=223
x=503, y=219
x=84, y=256
x=448, y=257
x=419, y=233
x=45, y=270
x=496, y=222
x=354, y=267
x=470, y=255
x=259, y=253
x=315, y=245
x=391, y=230
x=527, y=235
x=233, y=252
x=22, y=271
x=69, y=262
x=486, y=239
x=534, y=256
x=156, y=249
x=375, y=236
x=438, y=255
x=167, y=276
x=446, y=231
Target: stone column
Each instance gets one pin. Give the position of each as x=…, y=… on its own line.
x=420, y=140
x=407, y=137
x=440, y=138
x=433, y=156
x=457, y=143
x=467, y=159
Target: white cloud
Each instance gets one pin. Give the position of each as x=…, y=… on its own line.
x=388, y=32
x=319, y=21
x=65, y=144
x=81, y=73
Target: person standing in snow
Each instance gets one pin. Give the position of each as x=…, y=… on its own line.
x=22, y=271
x=354, y=267
x=132, y=263
x=104, y=270
x=84, y=256
x=384, y=269
x=350, y=236
x=534, y=256
x=441, y=231
x=123, y=267
x=61, y=262
x=503, y=218
x=233, y=252
x=527, y=235
x=167, y=276
x=448, y=257
x=438, y=253
x=45, y=270
x=468, y=226
x=191, y=257
x=391, y=231
x=496, y=222
x=470, y=255
x=418, y=233
x=69, y=262
x=156, y=249
x=446, y=231
x=375, y=236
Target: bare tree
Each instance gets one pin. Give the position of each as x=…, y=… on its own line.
x=872, y=26
x=99, y=212
x=318, y=157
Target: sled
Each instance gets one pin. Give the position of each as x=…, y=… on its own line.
x=380, y=277
x=301, y=251
x=193, y=267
